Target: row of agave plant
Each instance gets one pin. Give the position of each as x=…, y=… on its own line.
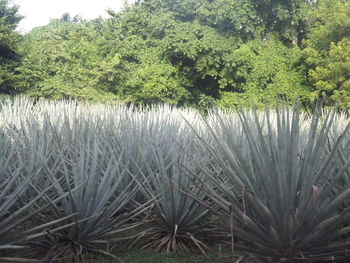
x=79, y=178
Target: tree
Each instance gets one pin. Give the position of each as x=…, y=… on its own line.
x=232, y=18
x=332, y=76
x=197, y=51
x=261, y=71
x=62, y=60
x=180, y=52
x=327, y=51
x=204, y=40
x=329, y=23
x=9, y=40
x=287, y=18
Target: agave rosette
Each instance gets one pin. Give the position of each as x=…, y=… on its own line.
x=177, y=219
x=281, y=199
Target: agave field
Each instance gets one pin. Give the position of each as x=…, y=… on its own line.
x=78, y=179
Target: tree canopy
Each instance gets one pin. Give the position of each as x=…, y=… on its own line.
x=9, y=42
x=187, y=52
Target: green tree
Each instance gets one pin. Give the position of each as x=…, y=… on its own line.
x=204, y=40
x=180, y=52
x=287, y=18
x=232, y=18
x=197, y=51
x=261, y=71
x=62, y=60
x=329, y=23
x=9, y=40
x=332, y=76
x=327, y=51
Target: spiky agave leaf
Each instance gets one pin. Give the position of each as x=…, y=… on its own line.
x=140, y=128
x=92, y=177
x=17, y=212
x=176, y=218
x=282, y=199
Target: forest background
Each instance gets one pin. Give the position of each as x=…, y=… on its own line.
x=185, y=52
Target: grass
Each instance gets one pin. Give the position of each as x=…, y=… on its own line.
x=151, y=257
x=148, y=256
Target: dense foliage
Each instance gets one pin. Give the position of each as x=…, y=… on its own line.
x=9, y=42
x=185, y=52
x=77, y=179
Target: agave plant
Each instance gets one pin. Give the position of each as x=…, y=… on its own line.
x=18, y=213
x=92, y=177
x=177, y=220
x=281, y=200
